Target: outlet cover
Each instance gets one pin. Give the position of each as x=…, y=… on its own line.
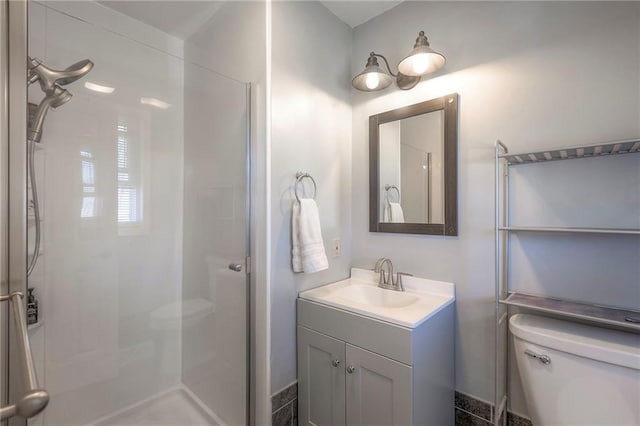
x=337, y=247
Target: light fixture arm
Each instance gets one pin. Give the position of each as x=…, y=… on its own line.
x=403, y=82
x=385, y=61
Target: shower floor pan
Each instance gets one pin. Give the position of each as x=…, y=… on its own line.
x=177, y=407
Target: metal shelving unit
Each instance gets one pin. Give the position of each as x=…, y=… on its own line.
x=626, y=231
x=504, y=297
x=597, y=150
x=604, y=315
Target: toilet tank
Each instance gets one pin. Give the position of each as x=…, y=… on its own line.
x=574, y=374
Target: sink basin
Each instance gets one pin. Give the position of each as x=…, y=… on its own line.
x=360, y=293
x=375, y=296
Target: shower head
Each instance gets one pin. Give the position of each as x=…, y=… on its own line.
x=50, y=81
x=53, y=100
x=60, y=97
x=49, y=78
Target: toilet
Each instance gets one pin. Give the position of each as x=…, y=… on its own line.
x=182, y=314
x=575, y=374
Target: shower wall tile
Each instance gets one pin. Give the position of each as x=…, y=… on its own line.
x=109, y=268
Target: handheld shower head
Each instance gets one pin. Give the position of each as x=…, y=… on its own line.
x=58, y=97
x=49, y=78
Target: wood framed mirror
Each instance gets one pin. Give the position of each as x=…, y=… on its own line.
x=413, y=168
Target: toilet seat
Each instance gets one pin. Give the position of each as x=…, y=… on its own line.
x=182, y=313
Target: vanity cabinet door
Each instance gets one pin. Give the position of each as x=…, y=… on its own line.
x=379, y=390
x=321, y=375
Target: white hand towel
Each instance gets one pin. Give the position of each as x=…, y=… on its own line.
x=396, y=213
x=386, y=213
x=307, y=253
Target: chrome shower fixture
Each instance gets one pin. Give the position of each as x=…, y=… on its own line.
x=49, y=78
x=53, y=100
x=50, y=81
x=54, y=96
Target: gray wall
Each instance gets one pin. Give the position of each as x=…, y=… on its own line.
x=311, y=132
x=531, y=74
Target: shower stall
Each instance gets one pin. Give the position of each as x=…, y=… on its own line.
x=126, y=218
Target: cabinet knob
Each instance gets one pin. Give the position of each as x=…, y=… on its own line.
x=351, y=369
x=335, y=362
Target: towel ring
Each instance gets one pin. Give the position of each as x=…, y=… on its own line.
x=388, y=187
x=299, y=177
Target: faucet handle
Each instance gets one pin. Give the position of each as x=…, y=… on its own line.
x=399, y=285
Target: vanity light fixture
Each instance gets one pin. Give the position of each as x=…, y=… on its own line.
x=373, y=77
x=420, y=61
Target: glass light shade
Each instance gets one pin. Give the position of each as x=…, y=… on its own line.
x=371, y=81
x=372, y=78
x=422, y=59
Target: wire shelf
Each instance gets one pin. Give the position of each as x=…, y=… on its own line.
x=603, y=315
x=602, y=149
x=624, y=231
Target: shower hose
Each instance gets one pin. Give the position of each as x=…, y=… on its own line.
x=36, y=206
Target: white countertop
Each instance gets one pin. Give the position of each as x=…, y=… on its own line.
x=422, y=298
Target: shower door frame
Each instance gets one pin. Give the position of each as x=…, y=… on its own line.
x=13, y=178
x=4, y=136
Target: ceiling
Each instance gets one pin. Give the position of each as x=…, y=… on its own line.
x=180, y=18
x=183, y=18
x=356, y=12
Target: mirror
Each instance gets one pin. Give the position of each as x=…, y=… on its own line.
x=413, y=168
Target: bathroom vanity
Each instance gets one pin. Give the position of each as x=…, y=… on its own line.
x=368, y=355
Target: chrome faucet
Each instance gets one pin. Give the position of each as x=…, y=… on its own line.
x=376, y=268
x=385, y=279
x=388, y=281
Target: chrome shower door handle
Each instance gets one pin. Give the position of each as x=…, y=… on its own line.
x=545, y=359
x=235, y=267
x=34, y=399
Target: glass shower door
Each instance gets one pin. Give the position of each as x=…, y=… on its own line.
x=214, y=355
x=141, y=280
